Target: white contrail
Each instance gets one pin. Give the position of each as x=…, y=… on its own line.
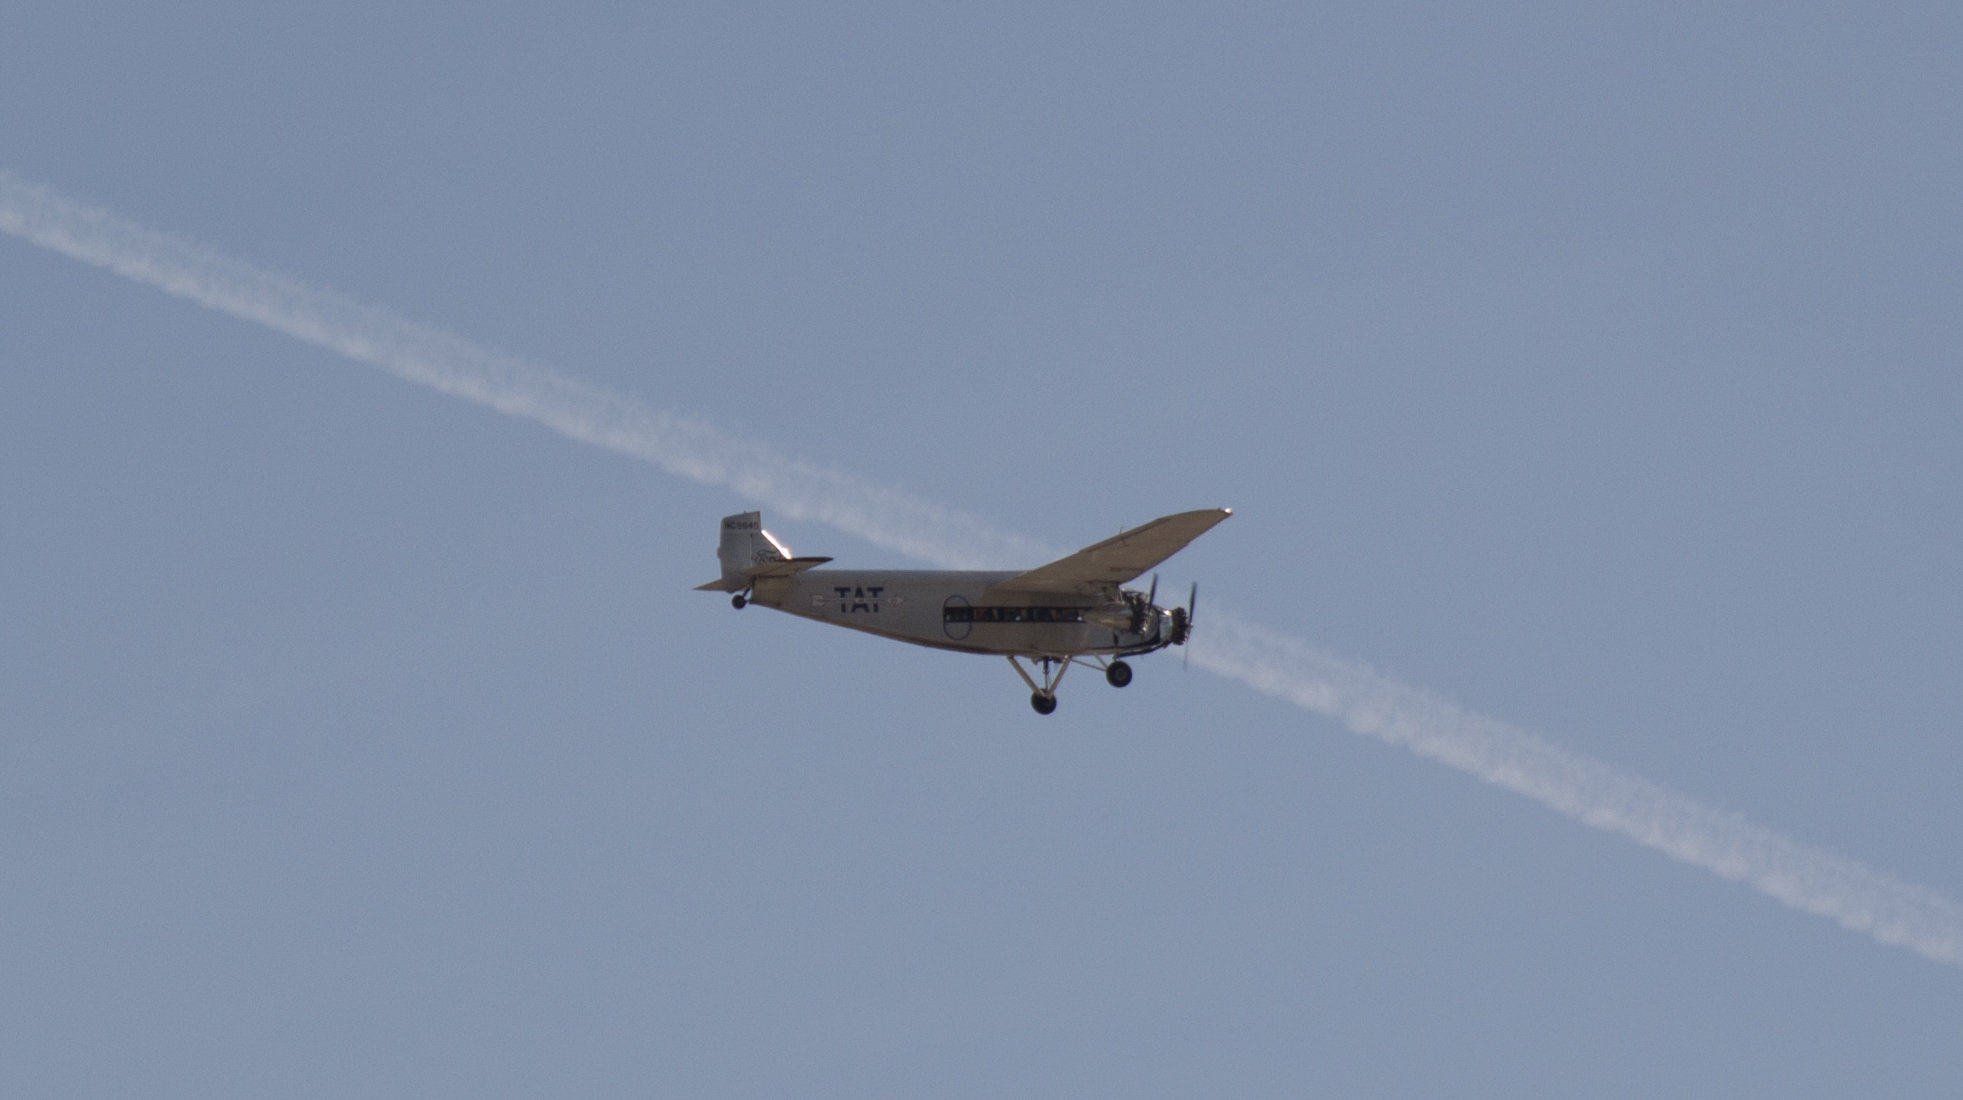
x=684, y=446
x=1806, y=878
x=1809, y=879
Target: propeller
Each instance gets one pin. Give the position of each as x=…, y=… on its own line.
x=1184, y=630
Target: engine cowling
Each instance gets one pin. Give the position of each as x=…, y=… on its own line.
x=1111, y=618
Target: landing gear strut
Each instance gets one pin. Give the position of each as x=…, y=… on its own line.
x=1043, y=696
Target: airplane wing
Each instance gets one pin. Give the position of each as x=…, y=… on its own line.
x=1118, y=558
x=782, y=567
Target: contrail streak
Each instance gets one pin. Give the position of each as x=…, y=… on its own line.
x=1806, y=878
x=430, y=357
x=1809, y=879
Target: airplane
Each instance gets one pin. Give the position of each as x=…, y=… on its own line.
x=1074, y=610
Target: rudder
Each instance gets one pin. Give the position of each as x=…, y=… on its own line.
x=745, y=544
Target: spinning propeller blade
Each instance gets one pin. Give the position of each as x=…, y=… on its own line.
x=1192, y=604
x=1145, y=611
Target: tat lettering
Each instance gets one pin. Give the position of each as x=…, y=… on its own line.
x=858, y=598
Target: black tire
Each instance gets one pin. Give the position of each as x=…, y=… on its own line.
x=737, y=601
x=1044, y=704
x=1118, y=674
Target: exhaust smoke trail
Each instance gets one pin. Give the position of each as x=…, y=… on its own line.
x=1806, y=878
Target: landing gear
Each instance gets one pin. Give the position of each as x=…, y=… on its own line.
x=1042, y=689
x=1043, y=696
x=737, y=601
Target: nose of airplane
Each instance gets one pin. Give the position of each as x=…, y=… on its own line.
x=1181, y=618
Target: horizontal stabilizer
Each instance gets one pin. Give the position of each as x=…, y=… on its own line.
x=780, y=567
x=1117, y=559
x=786, y=567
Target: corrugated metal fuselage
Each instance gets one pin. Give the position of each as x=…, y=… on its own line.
x=954, y=610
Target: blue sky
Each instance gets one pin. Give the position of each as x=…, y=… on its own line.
x=1596, y=370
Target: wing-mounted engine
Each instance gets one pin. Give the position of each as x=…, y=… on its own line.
x=1119, y=617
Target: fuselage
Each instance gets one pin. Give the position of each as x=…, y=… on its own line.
x=954, y=610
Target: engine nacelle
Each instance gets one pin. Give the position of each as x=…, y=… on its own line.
x=1110, y=618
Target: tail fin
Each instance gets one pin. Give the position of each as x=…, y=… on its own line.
x=747, y=551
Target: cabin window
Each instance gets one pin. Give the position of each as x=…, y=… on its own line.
x=1012, y=614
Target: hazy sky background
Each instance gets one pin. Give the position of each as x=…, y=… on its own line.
x=1597, y=370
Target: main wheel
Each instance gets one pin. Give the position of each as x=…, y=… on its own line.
x=737, y=601
x=1044, y=704
x=1118, y=674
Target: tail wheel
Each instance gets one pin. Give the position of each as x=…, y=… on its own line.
x=1043, y=703
x=737, y=601
x=1118, y=675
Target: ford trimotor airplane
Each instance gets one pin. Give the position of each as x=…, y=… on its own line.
x=1071, y=611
